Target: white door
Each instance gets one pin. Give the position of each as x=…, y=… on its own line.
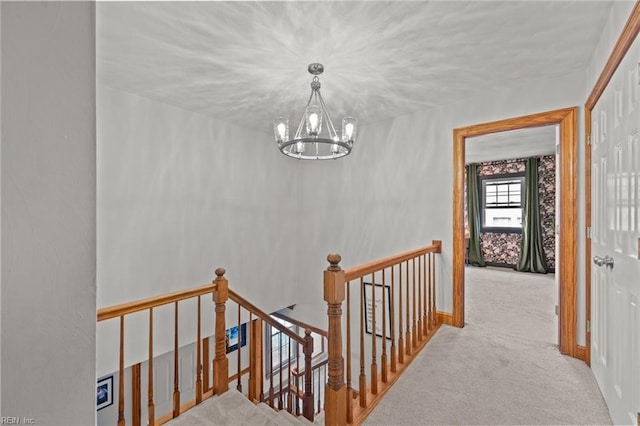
x=615, y=243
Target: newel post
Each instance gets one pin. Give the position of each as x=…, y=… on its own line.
x=335, y=389
x=307, y=399
x=220, y=361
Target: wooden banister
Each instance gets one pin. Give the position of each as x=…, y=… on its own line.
x=307, y=399
x=378, y=265
x=300, y=324
x=335, y=389
x=264, y=316
x=408, y=315
x=220, y=362
x=152, y=302
x=299, y=373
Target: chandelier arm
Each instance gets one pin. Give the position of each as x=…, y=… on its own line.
x=298, y=133
x=326, y=111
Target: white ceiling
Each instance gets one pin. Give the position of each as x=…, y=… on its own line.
x=521, y=143
x=245, y=62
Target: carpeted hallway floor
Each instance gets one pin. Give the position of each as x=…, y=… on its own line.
x=502, y=368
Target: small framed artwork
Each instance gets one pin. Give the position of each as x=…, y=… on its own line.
x=236, y=336
x=104, y=392
x=372, y=293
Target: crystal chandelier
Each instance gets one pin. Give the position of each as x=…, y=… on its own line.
x=310, y=142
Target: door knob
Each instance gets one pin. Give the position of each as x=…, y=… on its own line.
x=607, y=261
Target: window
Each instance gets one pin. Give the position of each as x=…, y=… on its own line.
x=501, y=203
x=280, y=343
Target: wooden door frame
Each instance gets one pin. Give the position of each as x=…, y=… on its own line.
x=566, y=266
x=624, y=43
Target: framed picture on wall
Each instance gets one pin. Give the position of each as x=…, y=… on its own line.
x=104, y=391
x=235, y=337
x=372, y=293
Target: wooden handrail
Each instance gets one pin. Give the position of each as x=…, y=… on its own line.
x=152, y=302
x=299, y=323
x=377, y=265
x=264, y=316
x=296, y=373
x=417, y=318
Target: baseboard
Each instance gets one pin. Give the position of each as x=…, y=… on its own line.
x=445, y=318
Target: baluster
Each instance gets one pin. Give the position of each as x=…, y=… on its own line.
x=176, y=363
x=433, y=286
x=420, y=310
x=363, y=378
x=280, y=371
x=136, y=411
x=319, y=382
x=255, y=359
x=408, y=306
x=289, y=399
x=335, y=390
x=383, y=357
x=374, y=364
x=220, y=362
x=425, y=285
x=121, y=376
x=414, y=316
x=199, y=359
x=307, y=401
x=239, y=355
x=393, y=323
x=271, y=395
x=324, y=380
x=150, y=405
x=298, y=384
x=349, y=388
x=206, y=380
x=400, y=329
x=431, y=296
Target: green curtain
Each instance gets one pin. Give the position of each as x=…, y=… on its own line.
x=473, y=215
x=531, y=251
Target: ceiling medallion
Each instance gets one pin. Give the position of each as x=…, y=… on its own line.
x=310, y=142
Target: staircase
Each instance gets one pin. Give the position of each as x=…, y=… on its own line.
x=390, y=314
x=233, y=408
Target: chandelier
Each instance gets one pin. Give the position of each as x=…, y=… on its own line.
x=310, y=142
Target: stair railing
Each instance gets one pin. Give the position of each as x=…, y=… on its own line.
x=395, y=303
x=219, y=366
x=283, y=397
x=219, y=291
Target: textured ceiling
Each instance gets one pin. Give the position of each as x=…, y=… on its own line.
x=245, y=62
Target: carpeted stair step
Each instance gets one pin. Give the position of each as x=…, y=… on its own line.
x=233, y=408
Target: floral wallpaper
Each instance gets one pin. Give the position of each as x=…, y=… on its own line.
x=504, y=248
x=547, y=199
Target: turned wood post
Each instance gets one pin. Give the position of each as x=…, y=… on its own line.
x=335, y=389
x=307, y=399
x=255, y=360
x=220, y=362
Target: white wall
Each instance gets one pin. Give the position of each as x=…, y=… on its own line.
x=618, y=16
x=48, y=212
x=394, y=192
x=180, y=194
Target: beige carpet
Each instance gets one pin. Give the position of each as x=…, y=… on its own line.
x=502, y=368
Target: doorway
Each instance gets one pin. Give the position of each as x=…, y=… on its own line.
x=500, y=163
x=566, y=267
